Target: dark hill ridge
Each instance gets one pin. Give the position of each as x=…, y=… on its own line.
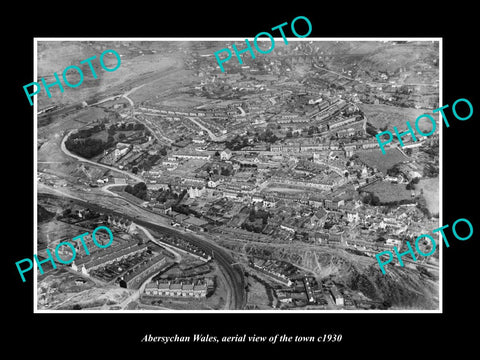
x=402, y=288
x=378, y=55
x=43, y=214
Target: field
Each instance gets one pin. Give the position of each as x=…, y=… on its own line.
x=168, y=81
x=72, y=121
x=390, y=116
x=135, y=68
x=257, y=294
x=180, y=101
x=381, y=56
x=388, y=192
x=375, y=159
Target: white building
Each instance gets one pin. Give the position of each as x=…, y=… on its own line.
x=195, y=191
x=121, y=149
x=225, y=154
x=394, y=242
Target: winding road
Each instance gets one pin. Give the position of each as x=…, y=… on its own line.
x=213, y=137
x=68, y=153
x=233, y=274
x=168, y=247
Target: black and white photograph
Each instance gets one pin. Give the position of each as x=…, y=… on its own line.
x=259, y=186
x=214, y=180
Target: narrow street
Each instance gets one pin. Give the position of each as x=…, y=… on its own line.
x=168, y=247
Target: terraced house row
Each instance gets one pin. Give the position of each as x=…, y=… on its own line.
x=108, y=256
x=137, y=277
x=172, y=289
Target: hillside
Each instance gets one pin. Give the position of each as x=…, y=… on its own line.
x=386, y=117
x=403, y=288
x=138, y=64
x=43, y=214
x=379, y=56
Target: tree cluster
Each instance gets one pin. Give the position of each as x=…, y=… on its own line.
x=149, y=161
x=81, y=144
x=430, y=171
x=186, y=210
x=165, y=195
x=422, y=206
x=394, y=170
x=370, y=129
x=88, y=147
x=259, y=214
x=267, y=136
x=138, y=190
x=43, y=214
x=432, y=150
x=223, y=169
x=395, y=203
x=237, y=143
x=253, y=226
x=182, y=209
x=411, y=184
x=313, y=130
x=371, y=199
x=257, y=219
x=85, y=133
